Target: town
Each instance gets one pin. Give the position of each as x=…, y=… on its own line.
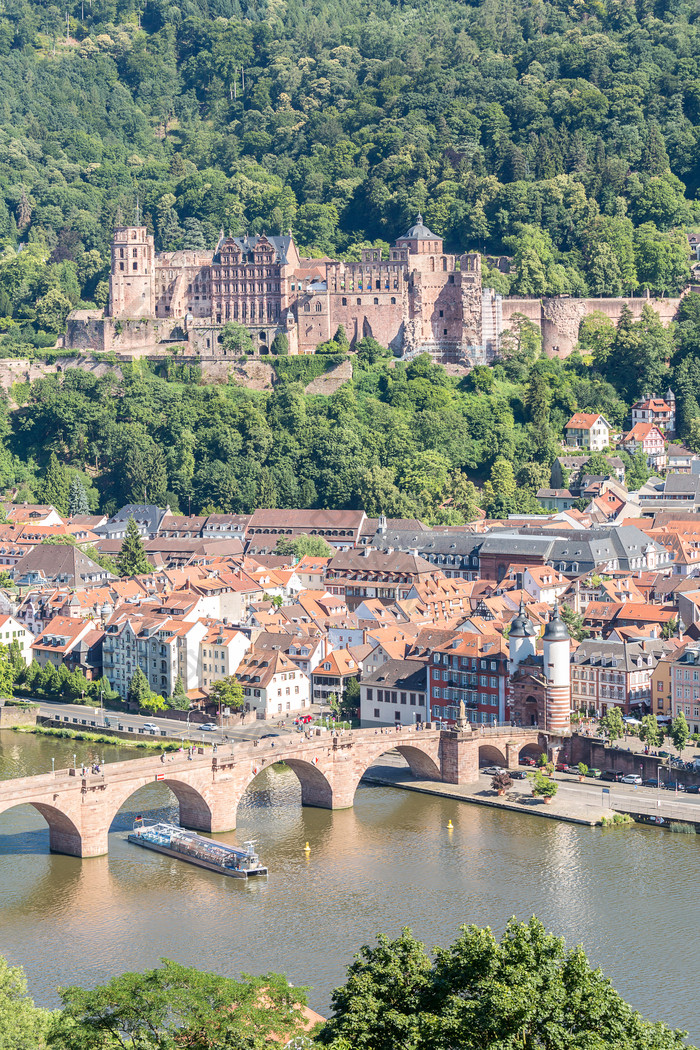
x=384, y=621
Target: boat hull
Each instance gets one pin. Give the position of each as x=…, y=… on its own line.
x=197, y=861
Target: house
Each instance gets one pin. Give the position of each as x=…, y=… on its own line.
x=567, y=471
x=35, y=513
x=332, y=675
x=556, y=499
x=588, y=430
x=58, y=564
x=685, y=685
x=12, y=630
x=222, y=648
x=148, y=518
x=677, y=492
x=649, y=438
x=55, y=644
x=472, y=669
x=543, y=583
x=339, y=528
x=370, y=573
x=272, y=684
x=660, y=411
x=450, y=550
x=395, y=694
x=680, y=460
x=164, y=648
x=612, y=673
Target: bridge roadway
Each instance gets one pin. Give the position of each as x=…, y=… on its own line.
x=80, y=807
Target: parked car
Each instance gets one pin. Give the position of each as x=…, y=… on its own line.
x=209, y=727
x=664, y=754
x=652, y=782
x=693, y=789
x=632, y=778
x=517, y=774
x=151, y=727
x=492, y=771
x=562, y=767
x=613, y=775
x=595, y=773
x=674, y=786
x=527, y=761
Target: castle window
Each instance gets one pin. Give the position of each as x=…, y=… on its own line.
x=135, y=266
x=393, y=300
x=318, y=308
x=444, y=331
x=135, y=253
x=377, y=285
x=121, y=266
x=121, y=253
x=359, y=302
x=345, y=302
x=376, y=302
x=442, y=313
x=451, y=279
x=307, y=308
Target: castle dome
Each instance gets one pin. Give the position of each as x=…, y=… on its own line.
x=556, y=630
x=419, y=232
x=522, y=626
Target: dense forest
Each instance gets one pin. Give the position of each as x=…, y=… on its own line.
x=563, y=133
x=403, y=438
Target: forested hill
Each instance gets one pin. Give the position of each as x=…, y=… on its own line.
x=565, y=132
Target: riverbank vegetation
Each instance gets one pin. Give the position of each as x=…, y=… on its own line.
x=527, y=991
x=103, y=738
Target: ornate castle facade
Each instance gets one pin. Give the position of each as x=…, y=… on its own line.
x=420, y=298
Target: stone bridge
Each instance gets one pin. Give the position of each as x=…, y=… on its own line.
x=79, y=809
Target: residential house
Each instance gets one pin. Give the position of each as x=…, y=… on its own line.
x=395, y=694
x=11, y=630
x=370, y=573
x=567, y=471
x=58, y=564
x=677, y=492
x=222, y=649
x=273, y=685
x=588, y=430
x=56, y=643
x=660, y=411
x=471, y=669
x=543, y=583
x=650, y=439
x=612, y=673
x=680, y=460
x=685, y=685
x=332, y=675
x=341, y=529
x=147, y=517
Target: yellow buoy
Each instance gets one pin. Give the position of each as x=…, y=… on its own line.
x=450, y=825
x=307, y=848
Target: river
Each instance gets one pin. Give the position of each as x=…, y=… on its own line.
x=625, y=894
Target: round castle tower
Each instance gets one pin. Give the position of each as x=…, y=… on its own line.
x=556, y=645
x=521, y=640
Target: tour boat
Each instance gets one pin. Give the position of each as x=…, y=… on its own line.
x=195, y=849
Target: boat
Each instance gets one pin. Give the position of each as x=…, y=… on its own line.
x=195, y=849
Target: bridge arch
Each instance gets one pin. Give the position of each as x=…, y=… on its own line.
x=531, y=750
x=421, y=763
x=64, y=835
x=490, y=755
x=195, y=809
x=316, y=789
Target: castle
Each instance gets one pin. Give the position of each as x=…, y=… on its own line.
x=420, y=298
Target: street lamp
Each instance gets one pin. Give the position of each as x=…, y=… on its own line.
x=53, y=765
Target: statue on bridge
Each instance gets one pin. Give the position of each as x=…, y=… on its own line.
x=462, y=721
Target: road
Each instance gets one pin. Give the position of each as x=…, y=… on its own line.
x=591, y=793
x=173, y=727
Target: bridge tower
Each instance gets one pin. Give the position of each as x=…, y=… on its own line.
x=556, y=645
x=521, y=640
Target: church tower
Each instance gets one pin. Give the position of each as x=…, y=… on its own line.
x=132, y=275
x=556, y=645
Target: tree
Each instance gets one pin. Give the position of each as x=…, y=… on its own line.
x=178, y=1006
x=23, y=1026
x=612, y=723
x=574, y=623
x=501, y=782
x=52, y=310
x=132, y=559
x=500, y=491
x=227, y=692
x=542, y=786
x=650, y=732
x=303, y=546
x=526, y=992
x=152, y=703
x=235, y=338
x=679, y=732
x=179, y=701
x=7, y=672
x=77, y=498
x=56, y=487
x=280, y=345
x=334, y=705
x=139, y=688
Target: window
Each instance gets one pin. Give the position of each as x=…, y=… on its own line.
x=397, y=716
x=376, y=302
x=318, y=308
x=376, y=712
x=359, y=302
x=345, y=302
x=307, y=308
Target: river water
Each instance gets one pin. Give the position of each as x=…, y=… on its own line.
x=626, y=894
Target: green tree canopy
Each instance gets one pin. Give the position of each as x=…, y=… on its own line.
x=132, y=559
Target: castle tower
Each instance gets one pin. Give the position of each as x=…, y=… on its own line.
x=521, y=639
x=556, y=645
x=132, y=275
